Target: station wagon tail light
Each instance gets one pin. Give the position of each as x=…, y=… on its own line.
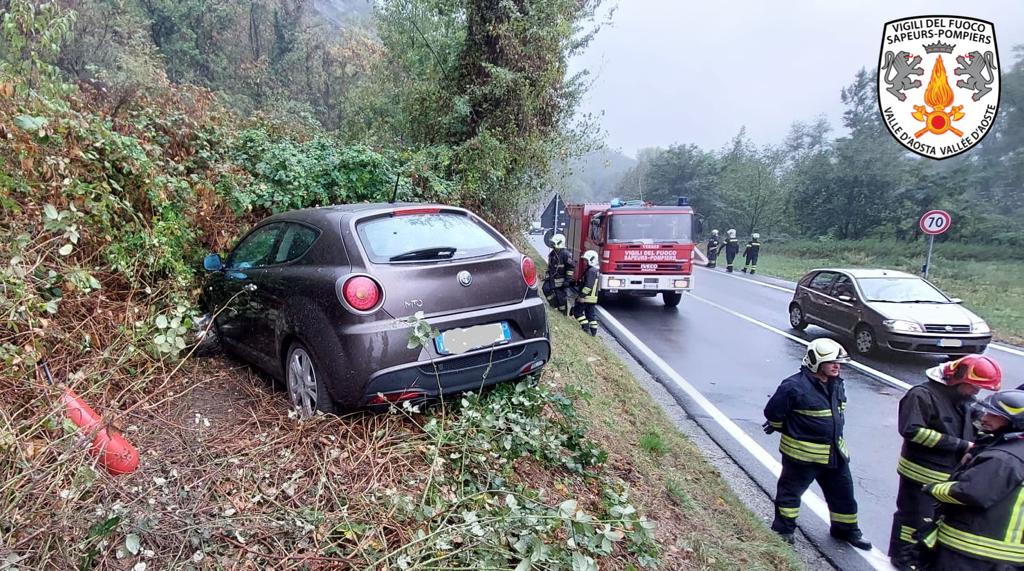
x=529, y=271
x=362, y=293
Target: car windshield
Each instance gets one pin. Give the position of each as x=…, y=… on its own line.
x=655, y=227
x=426, y=237
x=900, y=290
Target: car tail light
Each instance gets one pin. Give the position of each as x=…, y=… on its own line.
x=382, y=398
x=529, y=271
x=362, y=293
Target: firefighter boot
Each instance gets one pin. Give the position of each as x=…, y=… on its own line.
x=853, y=537
x=744, y=270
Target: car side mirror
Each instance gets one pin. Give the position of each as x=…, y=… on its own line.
x=845, y=298
x=213, y=263
x=956, y=300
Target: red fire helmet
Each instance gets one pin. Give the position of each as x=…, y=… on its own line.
x=978, y=370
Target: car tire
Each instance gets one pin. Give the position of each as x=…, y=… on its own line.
x=671, y=298
x=306, y=389
x=797, y=319
x=864, y=340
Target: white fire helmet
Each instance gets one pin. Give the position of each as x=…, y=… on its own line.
x=590, y=257
x=558, y=241
x=755, y=236
x=824, y=350
x=731, y=233
x=714, y=232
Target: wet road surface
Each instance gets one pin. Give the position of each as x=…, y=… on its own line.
x=737, y=365
x=712, y=341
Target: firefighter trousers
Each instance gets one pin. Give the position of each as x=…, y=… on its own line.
x=712, y=257
x=730, y=257
x=912, y=507
x=944, y=559
x=836, y=483
x=751, y=265
x=586, y=315
x=558, y=297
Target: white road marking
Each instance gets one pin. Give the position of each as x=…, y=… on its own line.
x=875, y=558
x=884, y=377
x=748, y=280
x=1006, y=348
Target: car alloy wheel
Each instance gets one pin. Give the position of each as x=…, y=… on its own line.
x=796, y=317
x=864, y=340
x=302, y=382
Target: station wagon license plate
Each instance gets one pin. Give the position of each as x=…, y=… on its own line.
x=459, y=341
x=950, y=343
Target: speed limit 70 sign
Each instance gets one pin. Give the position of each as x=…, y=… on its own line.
x=935, y=222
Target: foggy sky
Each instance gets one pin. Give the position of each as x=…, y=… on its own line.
x=679, y=71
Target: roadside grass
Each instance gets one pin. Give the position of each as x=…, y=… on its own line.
x=989, y=279
x=700, y=520
x=652, y=443
x=544, y=474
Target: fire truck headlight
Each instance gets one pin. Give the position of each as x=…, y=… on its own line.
x=681, y=284
x=613, y=282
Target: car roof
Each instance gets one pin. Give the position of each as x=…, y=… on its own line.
x=329, y=214
x=859, y=273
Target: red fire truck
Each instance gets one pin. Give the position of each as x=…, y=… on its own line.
x=644, y=249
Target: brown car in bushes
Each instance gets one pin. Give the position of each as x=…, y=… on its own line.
x=323, y=298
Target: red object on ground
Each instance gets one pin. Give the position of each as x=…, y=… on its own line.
x=114, y=453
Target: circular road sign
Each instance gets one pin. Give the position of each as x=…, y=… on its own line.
x=935, y=222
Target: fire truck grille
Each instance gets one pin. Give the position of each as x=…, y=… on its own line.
x=659, y=267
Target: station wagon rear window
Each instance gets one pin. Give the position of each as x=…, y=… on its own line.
x=425, y=238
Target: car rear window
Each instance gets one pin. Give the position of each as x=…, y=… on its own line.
x=386, y=238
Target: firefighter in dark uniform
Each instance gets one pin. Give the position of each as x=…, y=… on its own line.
x=585, y=308
x=750, y=253
x=560, y=271
x=980, y=518
x=808, y=409
x=713, y=244
x=935, y=423
x=732, y=247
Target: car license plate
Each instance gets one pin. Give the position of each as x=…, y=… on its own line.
x=950, y=343
x=459, y=341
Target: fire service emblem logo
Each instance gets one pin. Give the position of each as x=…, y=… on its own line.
x=934, y=112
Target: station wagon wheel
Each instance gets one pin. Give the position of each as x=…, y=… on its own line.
x=305, y=388
x=796, y=318
x=864, y=340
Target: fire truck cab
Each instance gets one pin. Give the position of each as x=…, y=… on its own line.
x=644, y=249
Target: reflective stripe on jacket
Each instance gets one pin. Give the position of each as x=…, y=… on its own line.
x=982, y=506
x=936, y=432
x=810, y=416
x=753, y=247
x=589, y=284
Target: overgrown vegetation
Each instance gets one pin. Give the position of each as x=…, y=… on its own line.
x=117, y=174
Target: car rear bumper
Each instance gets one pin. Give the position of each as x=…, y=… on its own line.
x=459, y=373
x=937, y=344
x=374, y=357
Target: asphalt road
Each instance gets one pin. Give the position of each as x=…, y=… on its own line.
x=729, y=340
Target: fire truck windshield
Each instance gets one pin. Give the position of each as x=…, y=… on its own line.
x=654, y=227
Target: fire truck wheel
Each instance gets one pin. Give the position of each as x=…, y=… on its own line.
x=672, y=298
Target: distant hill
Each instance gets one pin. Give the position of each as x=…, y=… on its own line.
x=593, y=177
x=340, y=12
